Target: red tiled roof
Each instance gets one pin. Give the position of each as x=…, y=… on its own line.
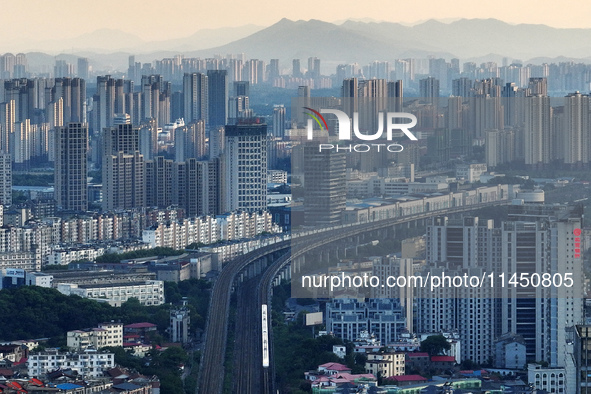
x=442, y=359
x=140, y=325
x=408, y=378
x=417, y=354
x=335, y=367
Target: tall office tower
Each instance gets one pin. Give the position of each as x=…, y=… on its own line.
x=240, y=88
x=245, y=167
x=195, y=96
x=71, y=142
x=217, y=82
x=429, y=89
x=324, y=187
x=296, y=68
x=461, y=87
x=5, y=178
x=313, y=67
x=538, y=131
x=73, y=93
x=123, y=167
x=159, y=182
x=278, y=121
x=538, y=86
x=83, y=68
x=577, y=130
x=7, y=119
x=273, y=69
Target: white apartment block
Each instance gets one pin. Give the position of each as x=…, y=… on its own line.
x=106, y=334
x=385, y=364
x=207, y=229
x=553, y=380
x=470, y=172
x=89, y=364
x=64, y=256
x=150, y=292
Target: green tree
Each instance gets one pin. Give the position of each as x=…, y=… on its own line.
x=435, y=344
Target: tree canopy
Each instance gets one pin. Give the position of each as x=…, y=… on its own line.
x=435, y=345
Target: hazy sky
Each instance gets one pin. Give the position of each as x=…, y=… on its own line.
x=163, y=19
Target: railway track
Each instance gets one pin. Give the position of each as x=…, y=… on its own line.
x=249, y=374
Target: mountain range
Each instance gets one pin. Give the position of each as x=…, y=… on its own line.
x=350, y=41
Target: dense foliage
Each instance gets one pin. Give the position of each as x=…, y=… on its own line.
x=37, y=312
x=32, y=179
x=435, y=345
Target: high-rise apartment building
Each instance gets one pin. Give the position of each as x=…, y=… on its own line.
x=195, y=97
x=245, y=167
x=71, y=142
x=536, y=239
x=577, y=130
x=123, y=168
x=538, y=131
x=5, y=178
x=279, y=121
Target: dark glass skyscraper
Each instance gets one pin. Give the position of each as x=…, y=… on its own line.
x=217, y=81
